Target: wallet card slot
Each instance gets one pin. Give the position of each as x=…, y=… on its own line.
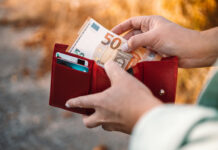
x=90, y=64
x=72, y=78
x=67, y=68
x=69, y=83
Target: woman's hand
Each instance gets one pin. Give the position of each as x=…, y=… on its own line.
x=193, y=48
x=119, y=107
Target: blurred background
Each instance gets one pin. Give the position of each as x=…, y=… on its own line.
x=28, y=31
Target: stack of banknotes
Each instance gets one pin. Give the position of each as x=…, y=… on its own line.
x=100, y=44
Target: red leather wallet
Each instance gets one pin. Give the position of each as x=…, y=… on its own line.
x=159, y=76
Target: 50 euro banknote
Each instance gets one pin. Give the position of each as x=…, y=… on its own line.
x=100, y=44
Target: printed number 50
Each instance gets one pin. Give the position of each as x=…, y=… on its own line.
x=114, y=43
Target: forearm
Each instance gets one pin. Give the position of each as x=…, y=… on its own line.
x=198, y=49
x=211, y=38
x=209, y=43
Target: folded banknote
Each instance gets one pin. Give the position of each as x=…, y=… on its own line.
x=100, y=44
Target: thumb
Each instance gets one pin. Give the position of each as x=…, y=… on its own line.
x=114, y=71
x=139, y=40
x=88, y=101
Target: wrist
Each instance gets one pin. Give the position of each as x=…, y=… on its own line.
x=147, y=113
x=209, y=41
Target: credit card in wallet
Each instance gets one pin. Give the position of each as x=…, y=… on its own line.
x=72, y=59
x=72, y=65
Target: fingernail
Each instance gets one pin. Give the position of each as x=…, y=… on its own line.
x=67, y=105
x=124, y=47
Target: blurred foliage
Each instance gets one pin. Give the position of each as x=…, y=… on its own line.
x=60, y=20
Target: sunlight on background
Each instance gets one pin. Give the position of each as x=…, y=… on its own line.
x=58, y=21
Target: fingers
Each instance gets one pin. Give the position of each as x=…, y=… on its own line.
x=91, y=121
x=139, y=40
x=107, y=127
x=132, y=23
x=114, y=72
x=84, y=101
x=132, y=33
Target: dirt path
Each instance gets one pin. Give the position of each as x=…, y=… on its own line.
x=26, y=119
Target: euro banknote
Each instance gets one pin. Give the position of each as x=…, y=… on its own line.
x=100, y=44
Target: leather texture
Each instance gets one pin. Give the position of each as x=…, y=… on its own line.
x=159, y=76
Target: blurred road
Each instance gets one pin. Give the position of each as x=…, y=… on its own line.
x=26, y=119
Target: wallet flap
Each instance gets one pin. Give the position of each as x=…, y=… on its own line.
x=161, y=78
x=68, y=83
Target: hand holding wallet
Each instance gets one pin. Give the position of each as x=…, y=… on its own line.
x=159, y=76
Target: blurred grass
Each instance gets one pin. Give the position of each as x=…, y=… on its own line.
x=59, y=21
